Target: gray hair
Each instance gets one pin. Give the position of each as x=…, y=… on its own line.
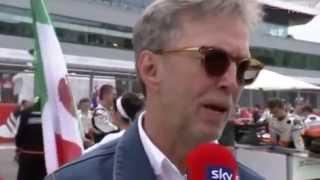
x=160, y=23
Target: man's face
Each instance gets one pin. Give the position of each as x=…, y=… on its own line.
x=85, y=106
x=277, y=112
x=298, y=107
x=108, y=98
x=27, y=104
x=199, y=105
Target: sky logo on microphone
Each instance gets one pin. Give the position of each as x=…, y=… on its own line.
x=219, y=173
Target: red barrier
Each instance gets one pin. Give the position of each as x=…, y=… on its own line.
x=5, y=110
x=6, y=141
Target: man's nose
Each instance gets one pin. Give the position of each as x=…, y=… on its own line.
x=228, y=81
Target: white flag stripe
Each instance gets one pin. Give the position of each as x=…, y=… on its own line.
x=65, y=130
x=55, y=69
x=50, y=150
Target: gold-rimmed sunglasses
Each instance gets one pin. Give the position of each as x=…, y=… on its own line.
x=216, y=62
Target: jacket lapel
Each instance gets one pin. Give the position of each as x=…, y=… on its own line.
x=131, y=161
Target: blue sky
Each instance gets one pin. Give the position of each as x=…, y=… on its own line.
x=308, y=32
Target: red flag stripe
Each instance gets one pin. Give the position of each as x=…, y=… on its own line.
x=67, y=151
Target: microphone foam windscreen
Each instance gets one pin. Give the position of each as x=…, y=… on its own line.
x=211, y=162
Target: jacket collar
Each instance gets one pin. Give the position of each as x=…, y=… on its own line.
x=131, y=161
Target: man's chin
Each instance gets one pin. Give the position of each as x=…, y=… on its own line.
x=208, y=135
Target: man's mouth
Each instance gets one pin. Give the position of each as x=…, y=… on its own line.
x=214, y=107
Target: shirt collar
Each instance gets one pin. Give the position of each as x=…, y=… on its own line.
x=154, y=155
x=157, y=159
x=100, y=106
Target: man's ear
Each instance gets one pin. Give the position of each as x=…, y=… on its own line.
x=148, y=67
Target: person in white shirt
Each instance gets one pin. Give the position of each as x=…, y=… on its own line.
x=85, y=115
x=102, y=115
x=125, y=109
x=311, y=120
x=285, y=129
x=312, y=125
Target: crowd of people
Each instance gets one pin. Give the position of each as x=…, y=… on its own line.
x=278, y=123
x=287, y=126
x=109, y=119
x=97, y=125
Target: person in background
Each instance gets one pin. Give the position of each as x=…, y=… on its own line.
x=25, y=104
x=285, y=129
x=257, y=113
x=312, y=126
x=245, y=131
x=102, y=114
x=126, y=108
x=85, y=115
x=316, y=111
x=95, y=97
x=299, y=103
x=310, y=118
x=228, y=136
x=193, y=60
x=29, y=143
x=243, y=116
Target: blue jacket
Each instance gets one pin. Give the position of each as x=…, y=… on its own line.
x=122, y=159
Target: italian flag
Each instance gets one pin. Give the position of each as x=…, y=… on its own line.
x=62, y=141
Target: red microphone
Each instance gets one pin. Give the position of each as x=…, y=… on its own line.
x=211, y=162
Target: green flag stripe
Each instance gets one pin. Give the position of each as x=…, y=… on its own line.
x=39, y=11
x=39, y=14
x=39, y=78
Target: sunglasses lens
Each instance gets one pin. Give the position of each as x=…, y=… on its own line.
x=242, y=72
x=246, y=74
x=215, y=62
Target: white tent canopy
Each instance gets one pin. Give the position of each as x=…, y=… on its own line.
x=268, y=80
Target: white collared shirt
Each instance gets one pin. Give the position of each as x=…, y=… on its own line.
x=102, y=119
x=163, y=168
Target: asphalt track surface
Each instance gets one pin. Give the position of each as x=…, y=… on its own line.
x=8, y=167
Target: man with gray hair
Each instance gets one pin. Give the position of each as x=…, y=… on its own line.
x=193, y=59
